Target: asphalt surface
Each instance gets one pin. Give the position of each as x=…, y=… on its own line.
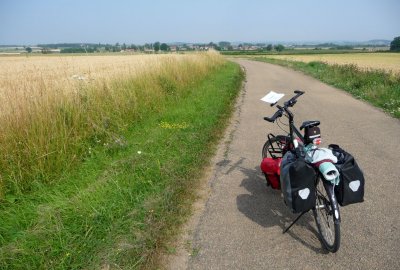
x=241, y=223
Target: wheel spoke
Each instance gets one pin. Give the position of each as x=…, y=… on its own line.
x=324, y=218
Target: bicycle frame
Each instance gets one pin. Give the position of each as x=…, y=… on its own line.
x=329, y=188
x=289, y=144
x=292, y=127
x=325, y=196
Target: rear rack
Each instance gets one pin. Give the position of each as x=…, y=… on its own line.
x=276, y=152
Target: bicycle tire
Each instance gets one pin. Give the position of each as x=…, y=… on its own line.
x=328, y=223
x=277, y=144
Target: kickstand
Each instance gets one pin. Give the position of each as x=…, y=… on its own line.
x=285, y=230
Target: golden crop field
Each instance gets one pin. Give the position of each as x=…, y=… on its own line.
x=25, y=78
x=386, y=61
x=52, y=105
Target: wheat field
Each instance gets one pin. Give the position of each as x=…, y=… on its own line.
x=389, y=62
x=54, y=108
x=25, y=77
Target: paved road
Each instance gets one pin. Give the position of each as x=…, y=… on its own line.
x=242, y=221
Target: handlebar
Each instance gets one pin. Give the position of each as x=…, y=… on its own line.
x=293, y=100
x=289, y=103
x=277, y=114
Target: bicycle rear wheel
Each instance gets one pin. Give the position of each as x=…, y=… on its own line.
x=275, y=146
x=326, y=213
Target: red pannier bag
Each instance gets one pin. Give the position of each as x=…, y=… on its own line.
x=271, y=167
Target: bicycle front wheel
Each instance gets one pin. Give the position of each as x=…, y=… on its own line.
x=326, y=213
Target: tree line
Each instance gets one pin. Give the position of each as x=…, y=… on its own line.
x=164, y=47
x=91, y=47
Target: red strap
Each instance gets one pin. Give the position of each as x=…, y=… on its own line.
x=322, y=161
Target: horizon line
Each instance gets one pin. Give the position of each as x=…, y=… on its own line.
x=296, y=42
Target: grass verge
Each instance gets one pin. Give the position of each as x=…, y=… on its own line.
x=289, y=52
x=55, y=110
x=124, y=202
x=380, y=88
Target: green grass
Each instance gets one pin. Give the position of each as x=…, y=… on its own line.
x=378, y=87
x=47, y=129
x=289, y=52
x=126, y=200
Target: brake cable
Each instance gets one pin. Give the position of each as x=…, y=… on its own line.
x=279, y=121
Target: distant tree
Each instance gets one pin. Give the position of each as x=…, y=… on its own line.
x=156, y=46
x=164, y=47
x=395, y=44
x=269, y=47
x=343, y=47
x=116, y=49
x=79, y=50
x=224, y=45
x=279, y=47
x=212, y=45
x=28, y=49
x=123, y=47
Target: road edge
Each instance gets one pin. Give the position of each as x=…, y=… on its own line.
x=183, y=248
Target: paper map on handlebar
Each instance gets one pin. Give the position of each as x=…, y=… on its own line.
x=272, y=97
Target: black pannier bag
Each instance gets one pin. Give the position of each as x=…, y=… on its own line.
x=351, y=186
x=297, y=183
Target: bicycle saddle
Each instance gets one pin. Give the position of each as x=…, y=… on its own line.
x=307, y=124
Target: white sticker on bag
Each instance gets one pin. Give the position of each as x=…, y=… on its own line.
x=354, y=185
x=303, y=193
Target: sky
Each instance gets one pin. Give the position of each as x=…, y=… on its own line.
x=28, y=22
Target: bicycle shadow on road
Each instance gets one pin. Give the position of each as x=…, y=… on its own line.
x=265, y=206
